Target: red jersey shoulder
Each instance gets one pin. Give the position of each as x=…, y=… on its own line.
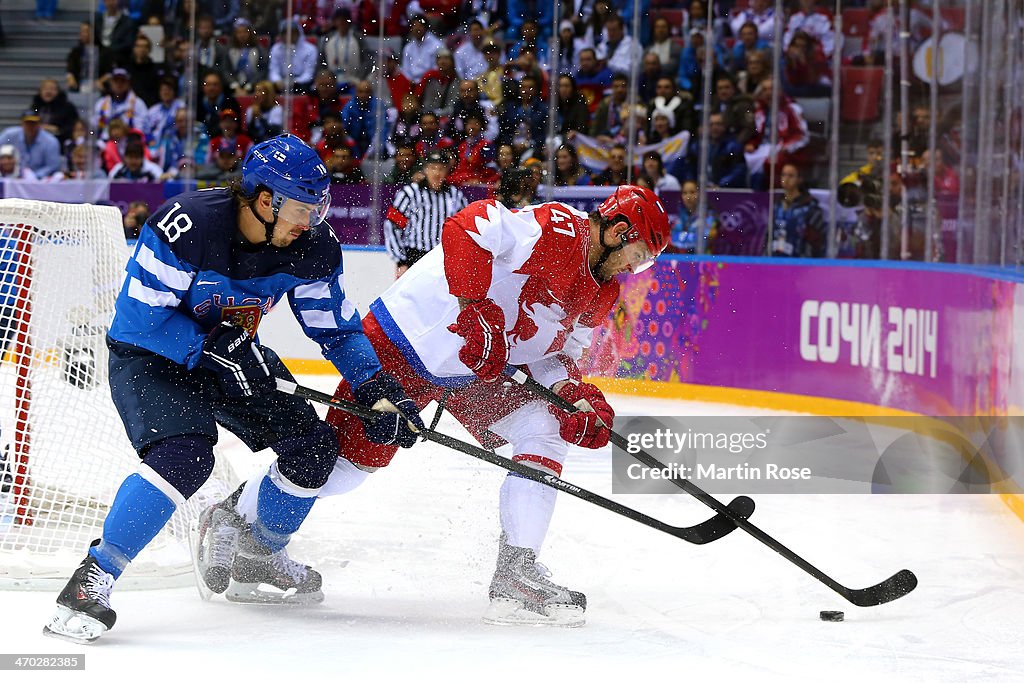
x=562, y=250
x=464, y=259
x=478, y=209
x=562, y=224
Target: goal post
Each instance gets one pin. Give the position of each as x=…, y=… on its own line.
x=63, y=448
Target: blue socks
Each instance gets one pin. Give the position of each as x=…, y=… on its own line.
x=145, y=502
x=280, y=512
x=140, y=510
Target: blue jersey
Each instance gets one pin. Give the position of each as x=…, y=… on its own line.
x=192, y=269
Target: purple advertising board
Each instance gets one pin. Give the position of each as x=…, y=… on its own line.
x=742, y=220
x=926, y=340
x=154, y=194
x=354, y=220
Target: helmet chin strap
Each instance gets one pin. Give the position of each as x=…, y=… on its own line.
x=608, y=251
x=268, y=225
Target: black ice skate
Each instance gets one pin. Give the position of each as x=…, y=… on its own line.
x=521, y=593
x=258, y=576
x=214, y=545
x=83, y=607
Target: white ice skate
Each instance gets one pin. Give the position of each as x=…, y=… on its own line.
x=521, y=593
x=214, y=539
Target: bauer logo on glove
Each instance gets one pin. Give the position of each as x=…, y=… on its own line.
x=238, y=363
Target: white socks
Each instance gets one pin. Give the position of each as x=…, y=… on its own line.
x=525, y=508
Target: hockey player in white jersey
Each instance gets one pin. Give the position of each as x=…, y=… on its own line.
x=523, y=287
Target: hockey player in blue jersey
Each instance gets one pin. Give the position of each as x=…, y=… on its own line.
x=183, y=358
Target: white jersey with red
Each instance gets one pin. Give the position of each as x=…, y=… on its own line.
x=533, y=263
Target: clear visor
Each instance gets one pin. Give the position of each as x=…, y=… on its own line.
x=301, y=213
x=638, y=256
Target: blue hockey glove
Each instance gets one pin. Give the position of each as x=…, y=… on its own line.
x=399, y=424
x=237, y=362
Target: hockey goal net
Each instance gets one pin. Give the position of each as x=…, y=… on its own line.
x=64, y=449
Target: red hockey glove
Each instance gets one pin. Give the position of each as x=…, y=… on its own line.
x=482, y=325
x=590, y=426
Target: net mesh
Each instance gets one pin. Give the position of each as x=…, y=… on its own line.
x=64, y=449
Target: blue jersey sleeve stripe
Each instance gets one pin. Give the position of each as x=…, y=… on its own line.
x=333, y=323
x=348, y=309
x=319, y=319
x=314, y=290
x=172, y=277
x=150, y=296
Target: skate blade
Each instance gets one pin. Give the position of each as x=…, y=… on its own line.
x=508, y=612
x=265, y=594
x=74, y=627
x=195, y=546
x=214, y=580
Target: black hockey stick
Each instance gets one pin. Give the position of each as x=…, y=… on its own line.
x=896, y=586
x=741, y=508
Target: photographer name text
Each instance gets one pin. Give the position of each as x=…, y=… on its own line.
x=710, y=472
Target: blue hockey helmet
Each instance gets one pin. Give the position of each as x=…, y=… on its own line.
x=290, y=169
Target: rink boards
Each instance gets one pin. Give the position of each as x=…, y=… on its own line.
x=824, y=336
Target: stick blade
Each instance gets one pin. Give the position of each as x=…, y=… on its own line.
x=720, y=525
x=893, y=588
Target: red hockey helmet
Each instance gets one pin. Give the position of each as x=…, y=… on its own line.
x=644, y=212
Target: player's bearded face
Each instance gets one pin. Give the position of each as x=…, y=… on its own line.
x=633, y=258
x=294, y=218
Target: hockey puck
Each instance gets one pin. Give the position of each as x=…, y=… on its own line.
x=827, y=615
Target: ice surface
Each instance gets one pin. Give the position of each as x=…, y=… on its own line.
x=407, y=558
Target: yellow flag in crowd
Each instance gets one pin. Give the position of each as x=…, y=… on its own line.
x=594, y=154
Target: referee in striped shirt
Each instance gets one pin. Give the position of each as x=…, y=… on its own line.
x=414, y=221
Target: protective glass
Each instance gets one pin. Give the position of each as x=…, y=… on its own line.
x=638, y=256
x=301, y=213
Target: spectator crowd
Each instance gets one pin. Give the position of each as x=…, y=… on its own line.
x=469, y=79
